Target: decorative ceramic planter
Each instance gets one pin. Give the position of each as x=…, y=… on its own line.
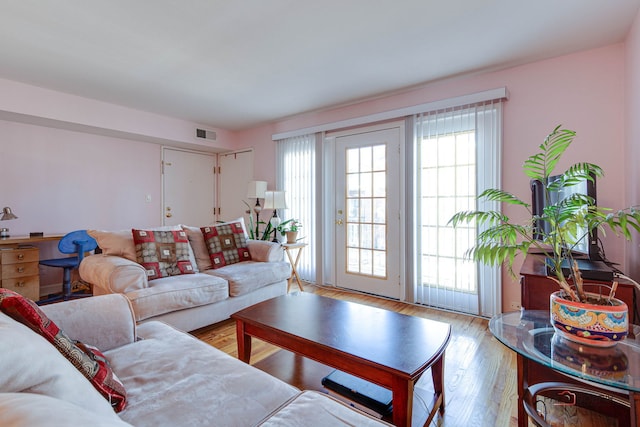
x=590, y=324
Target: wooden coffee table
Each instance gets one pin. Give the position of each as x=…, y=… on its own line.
x=387, y=348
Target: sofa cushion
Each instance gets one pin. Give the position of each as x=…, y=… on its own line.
x=30, y=409
x=174, y=379
x=162, y=253
x=31, y=364
x=312, y=408
x=87, y=359
x=196, y=239
x=244, y=277
x=200, y=251
x=226, y=243
x=177, y=293
x=120, y=242
x=117, y=243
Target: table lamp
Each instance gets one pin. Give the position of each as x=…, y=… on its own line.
x=275, y=200
x=256, y=190
x=6, y=215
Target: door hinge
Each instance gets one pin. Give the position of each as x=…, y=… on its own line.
x=163, y=164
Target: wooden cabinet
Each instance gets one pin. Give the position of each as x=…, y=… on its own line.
x=536, y=287
x=19, y=271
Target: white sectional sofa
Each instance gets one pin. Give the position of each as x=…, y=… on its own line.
x=186, y=301
x=170, y=377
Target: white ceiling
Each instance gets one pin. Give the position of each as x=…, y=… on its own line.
x=235, y=64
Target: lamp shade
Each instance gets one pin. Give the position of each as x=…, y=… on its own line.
x=275, y=200
x=7, y=214
x=256, y=189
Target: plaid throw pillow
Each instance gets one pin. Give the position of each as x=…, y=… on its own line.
x=162, y=253
x=226, y=243
x=87, y=359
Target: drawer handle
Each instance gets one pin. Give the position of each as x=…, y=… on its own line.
x=20, y=269
x=20, y=256
x=20, y=284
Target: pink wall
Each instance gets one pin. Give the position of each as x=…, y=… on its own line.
x=264, y=153
x=632, y=146
x=583, y=91
x=31, y=104
x=57, y=180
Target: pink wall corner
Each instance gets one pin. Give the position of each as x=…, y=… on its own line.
x=632, y=141
x=582, y=91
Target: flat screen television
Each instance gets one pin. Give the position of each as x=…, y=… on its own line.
x=588, y=245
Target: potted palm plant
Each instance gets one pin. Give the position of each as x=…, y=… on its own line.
x=576, y=314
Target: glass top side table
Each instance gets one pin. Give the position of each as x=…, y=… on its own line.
x=614, y=371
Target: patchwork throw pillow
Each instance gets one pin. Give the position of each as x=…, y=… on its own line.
x=87, y=359
x=226, y=243
x=162, y=253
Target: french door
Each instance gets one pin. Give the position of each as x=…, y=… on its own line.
x=367, y=211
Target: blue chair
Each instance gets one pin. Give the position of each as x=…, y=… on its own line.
x=77, y=242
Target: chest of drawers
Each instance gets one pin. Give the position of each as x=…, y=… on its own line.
x=19, y=271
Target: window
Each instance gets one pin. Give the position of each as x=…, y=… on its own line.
x=457, y=155
x=296, y=175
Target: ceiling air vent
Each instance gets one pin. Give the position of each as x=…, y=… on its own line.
x=207, y=134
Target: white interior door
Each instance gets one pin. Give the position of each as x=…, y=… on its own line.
x=188, y=187
x=236, y=170
x=367, y=217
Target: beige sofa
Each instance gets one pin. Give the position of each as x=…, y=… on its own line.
x=170, y=378
x=188, y=301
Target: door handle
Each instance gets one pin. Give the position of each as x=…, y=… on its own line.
x=339, y=221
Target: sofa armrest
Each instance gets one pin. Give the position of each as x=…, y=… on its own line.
x=265, y=251
x=104, y=321
x=112, y=274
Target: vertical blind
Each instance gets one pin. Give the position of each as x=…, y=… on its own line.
x=457, y=156
x=296, y=174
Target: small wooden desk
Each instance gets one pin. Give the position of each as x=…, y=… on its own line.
x=19, y=263
x=288, y=247
x=24, y=240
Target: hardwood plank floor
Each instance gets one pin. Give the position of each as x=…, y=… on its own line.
x=480, y=373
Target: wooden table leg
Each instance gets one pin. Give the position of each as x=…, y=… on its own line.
x=244, y=342
x=437, y=375
x=402, y=402
x=294, y=267
x=523, y=384
x=634, y=400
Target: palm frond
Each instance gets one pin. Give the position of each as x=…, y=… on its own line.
x=541, y=165
x=495, y=195
x=478, y=217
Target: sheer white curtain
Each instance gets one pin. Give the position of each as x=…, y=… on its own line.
x=457, y=156
x=296, y=174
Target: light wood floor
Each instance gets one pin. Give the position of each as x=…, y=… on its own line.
x=480, y=373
